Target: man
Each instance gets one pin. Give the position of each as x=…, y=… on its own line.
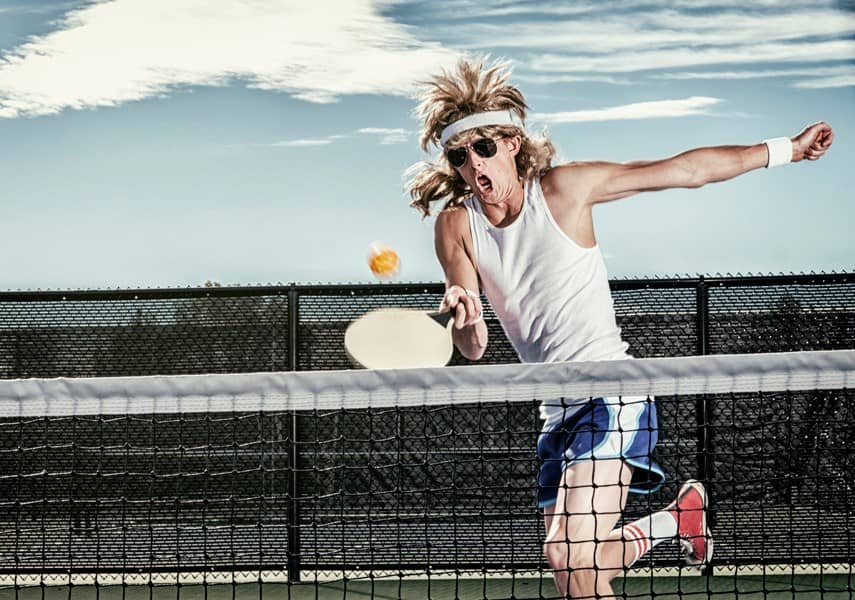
x=522, y=230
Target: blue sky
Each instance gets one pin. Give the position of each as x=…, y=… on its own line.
x=161, y=143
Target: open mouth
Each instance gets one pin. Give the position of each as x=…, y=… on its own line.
x=484, y=183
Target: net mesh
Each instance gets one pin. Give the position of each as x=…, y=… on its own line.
x=430, y=476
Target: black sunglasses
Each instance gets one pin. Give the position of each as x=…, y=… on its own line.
x=484, y=147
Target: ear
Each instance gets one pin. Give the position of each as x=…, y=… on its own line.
x=513, y=144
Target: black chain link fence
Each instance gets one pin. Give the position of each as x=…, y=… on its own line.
x=330, y=490
x=248, y=329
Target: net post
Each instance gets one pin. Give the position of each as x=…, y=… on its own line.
x=293, y=566
x=703, y=405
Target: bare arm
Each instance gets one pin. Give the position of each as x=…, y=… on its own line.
x=691, y=169
x=469, y=331
x=603, y=181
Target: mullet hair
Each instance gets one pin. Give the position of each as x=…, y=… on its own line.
x=472, y=87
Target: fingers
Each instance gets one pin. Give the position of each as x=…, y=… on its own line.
x=818, y=137
x=466, y=308
x=820, y=144
x=819, y=126
x=460, y=314
x=815, y=150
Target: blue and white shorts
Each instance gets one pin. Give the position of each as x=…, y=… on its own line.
x=600, y=429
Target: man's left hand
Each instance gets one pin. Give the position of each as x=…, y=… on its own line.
x=812, y=142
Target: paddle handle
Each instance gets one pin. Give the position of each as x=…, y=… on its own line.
x=442, y=317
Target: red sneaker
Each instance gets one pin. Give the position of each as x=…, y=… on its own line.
x=690, y=512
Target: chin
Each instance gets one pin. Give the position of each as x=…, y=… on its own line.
x=495, y=196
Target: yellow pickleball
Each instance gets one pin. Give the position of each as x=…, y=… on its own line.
x=383, y=261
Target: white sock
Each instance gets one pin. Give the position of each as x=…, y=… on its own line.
x=649, y=531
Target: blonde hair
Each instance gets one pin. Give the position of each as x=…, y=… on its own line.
x=471, y=88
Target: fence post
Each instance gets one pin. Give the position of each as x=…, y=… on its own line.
x=702, y=301
x=293, y=462
x=18, y=372
x=704, y=407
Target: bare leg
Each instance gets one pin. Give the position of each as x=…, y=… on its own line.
x=683, y=519
x=580, y=544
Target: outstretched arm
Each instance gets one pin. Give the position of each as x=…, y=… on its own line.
x=609, y=181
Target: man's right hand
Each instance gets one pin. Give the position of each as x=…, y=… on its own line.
x=464, y=304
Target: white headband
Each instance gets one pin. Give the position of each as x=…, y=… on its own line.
x=496, y=117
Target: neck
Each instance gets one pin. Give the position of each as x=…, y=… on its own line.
x=504, y=212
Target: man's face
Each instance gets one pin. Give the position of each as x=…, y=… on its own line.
x=492, y=178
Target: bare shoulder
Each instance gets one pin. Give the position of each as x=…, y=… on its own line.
x=572, y=174
x=451, y=222
x=571, y=182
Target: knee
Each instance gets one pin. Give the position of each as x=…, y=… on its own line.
x=555, y=552
x=575, y=557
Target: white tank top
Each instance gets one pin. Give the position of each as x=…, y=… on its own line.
x=551, y=295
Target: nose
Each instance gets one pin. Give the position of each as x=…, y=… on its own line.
x=474, y=157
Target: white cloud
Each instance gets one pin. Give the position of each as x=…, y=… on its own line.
x=302, y=143
x=654, y=30
x=800, y=72
x=819, y=77
x=387, y=136
x=108, y=53
x=548, y=79
x=696, y=105
x=831, y=82
x=480, y=9
x=687, y=57
x=467, y=9
x=651, y=35
x=475, y=9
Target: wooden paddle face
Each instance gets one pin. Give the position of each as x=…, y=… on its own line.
x=397, y=338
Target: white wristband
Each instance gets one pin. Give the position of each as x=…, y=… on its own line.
x=472, y=294
x=780, y=151
x=469, y=293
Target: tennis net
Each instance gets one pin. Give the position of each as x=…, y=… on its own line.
x=413, y=483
